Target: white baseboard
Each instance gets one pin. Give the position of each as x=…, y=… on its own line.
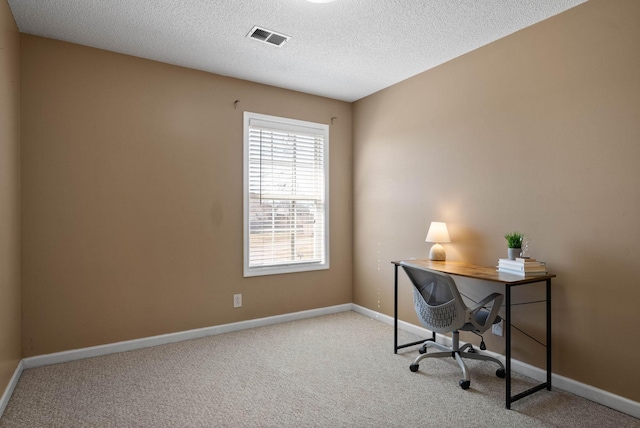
x=589, y=392
x=4, y=400
x=129, y=345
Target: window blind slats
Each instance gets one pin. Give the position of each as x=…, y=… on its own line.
x=286, y=184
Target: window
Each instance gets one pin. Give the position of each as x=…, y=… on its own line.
x=286, y=208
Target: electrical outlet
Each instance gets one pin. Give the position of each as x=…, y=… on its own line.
x=237, y=300
x=497, y=328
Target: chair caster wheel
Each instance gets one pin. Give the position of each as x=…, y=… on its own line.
x=500, y=373
x=414, y=367
x=423, y=350
x=471, y=350
x=464, y=384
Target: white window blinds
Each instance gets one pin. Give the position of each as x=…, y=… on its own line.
x=285, y=195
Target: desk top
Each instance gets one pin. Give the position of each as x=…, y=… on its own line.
x=474, y=271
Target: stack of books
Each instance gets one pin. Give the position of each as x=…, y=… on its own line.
x=522, y=267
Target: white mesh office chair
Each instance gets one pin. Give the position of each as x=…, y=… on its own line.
x=441, y=309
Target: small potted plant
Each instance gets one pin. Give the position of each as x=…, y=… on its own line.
x=514, y=244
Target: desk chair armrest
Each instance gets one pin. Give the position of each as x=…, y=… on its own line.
x=497, y=304
x=483, y=302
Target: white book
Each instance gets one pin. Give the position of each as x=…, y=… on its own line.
x=528, y=266
x=520, y=272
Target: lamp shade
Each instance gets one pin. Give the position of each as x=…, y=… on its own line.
x=438, y=232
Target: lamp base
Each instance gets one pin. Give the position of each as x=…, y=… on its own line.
x=437, y=253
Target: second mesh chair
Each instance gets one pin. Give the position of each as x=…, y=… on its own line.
x=441, y=309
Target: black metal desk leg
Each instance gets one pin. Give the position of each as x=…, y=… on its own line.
x=395, y=310
x=395, y=316
x=548, y=334
x=507, y=327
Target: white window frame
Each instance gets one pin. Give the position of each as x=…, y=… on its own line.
x=294, y=126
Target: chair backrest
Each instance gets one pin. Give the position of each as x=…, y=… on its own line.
x=438, y=303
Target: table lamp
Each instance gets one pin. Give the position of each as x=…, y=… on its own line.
x=437, y=233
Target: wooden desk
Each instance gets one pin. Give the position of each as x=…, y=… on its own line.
x=486, y=274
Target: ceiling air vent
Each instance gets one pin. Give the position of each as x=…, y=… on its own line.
x=268, y=36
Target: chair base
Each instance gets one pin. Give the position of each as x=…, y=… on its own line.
x=458, y=353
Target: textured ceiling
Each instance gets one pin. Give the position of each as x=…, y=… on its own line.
x=345, y=50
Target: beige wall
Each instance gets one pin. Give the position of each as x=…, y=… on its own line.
x=132, y=199
x=537, y=132
x=9, y=196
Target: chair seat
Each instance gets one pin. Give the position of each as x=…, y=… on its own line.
x=481, y=318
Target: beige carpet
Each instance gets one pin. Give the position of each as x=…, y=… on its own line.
x=330, y=371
